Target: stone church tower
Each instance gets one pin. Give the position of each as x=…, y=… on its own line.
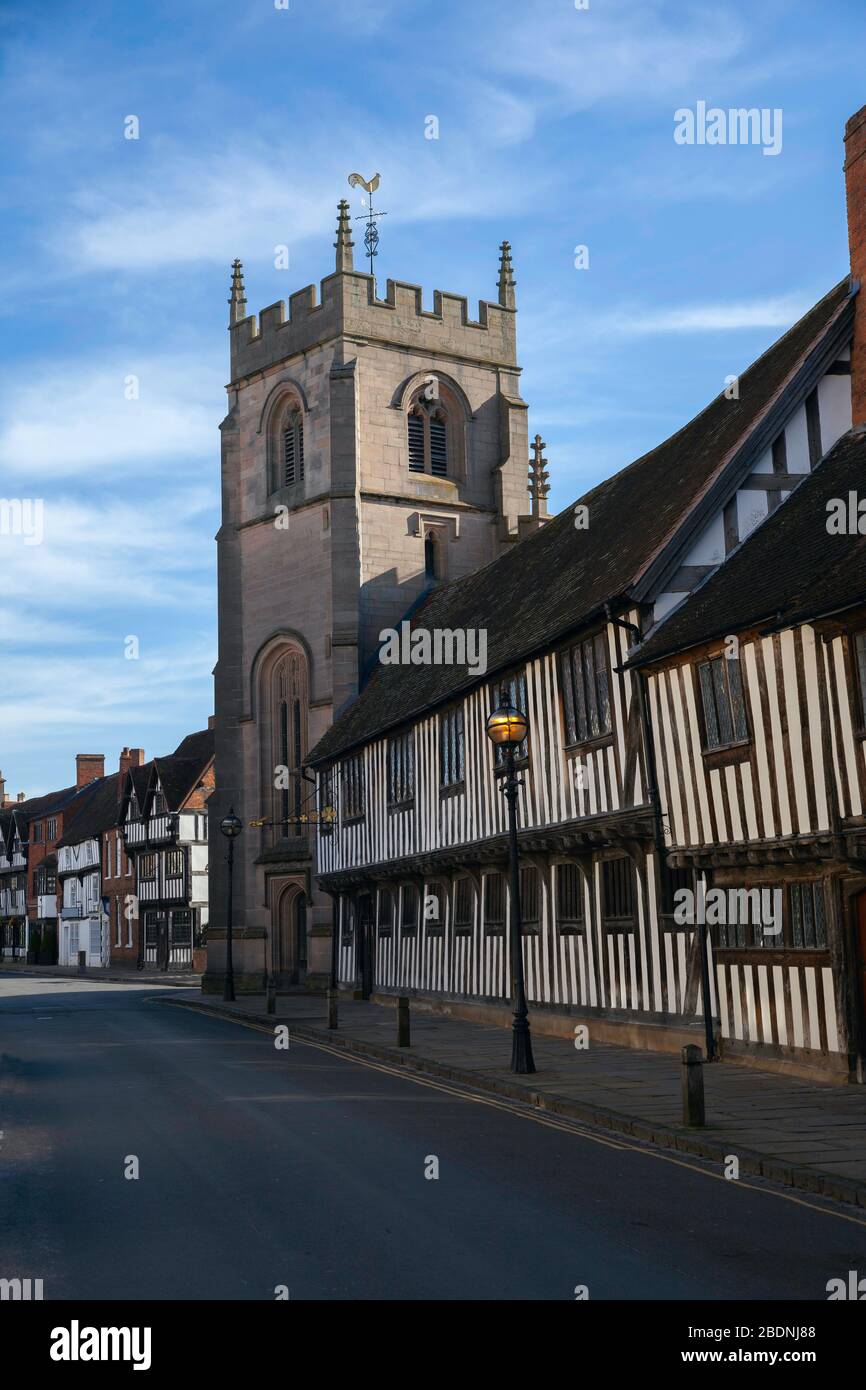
x=372, y=448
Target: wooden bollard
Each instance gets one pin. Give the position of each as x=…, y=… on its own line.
x=82, y=962
x=403, y=1021
x=333, y=996
x=694, y=1112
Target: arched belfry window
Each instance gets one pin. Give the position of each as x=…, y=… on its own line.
x=433, y=426
x=292, y=443
x=284, y=743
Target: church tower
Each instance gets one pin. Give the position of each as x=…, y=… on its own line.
x=372, y=448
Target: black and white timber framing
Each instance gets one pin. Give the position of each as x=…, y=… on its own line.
x=633, y=797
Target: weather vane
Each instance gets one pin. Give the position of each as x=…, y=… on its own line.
x=371, y=234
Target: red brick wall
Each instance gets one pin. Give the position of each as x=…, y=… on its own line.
x=118, y=890
x=197, y=800
x=855, y=190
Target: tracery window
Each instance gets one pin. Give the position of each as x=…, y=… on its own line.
x=285, y=741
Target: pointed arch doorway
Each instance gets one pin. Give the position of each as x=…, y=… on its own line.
x=290, y=935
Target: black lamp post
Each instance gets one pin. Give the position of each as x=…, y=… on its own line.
x=231, y=827
x=506, y=728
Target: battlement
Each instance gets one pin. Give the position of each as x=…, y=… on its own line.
x=347, y=305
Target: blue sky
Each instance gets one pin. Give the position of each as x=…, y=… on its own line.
x=555, y=130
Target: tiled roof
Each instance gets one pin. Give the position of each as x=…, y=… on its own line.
x=560, y=578
x=789, y=569
x=97, y=811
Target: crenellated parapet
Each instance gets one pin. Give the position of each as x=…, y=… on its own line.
x=346, y=303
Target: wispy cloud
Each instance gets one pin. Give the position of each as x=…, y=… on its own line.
x=618, y=52
x=244, y=203
x=107, y=557
x=82, y=420
x=779, y=312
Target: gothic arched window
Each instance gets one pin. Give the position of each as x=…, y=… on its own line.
x=428, y=437
x=284, y=741
x=292, y=447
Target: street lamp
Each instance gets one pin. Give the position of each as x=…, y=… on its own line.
x=506, y=728
x=231, y=827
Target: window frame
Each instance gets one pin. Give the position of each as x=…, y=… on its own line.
x=618, y=922
x=357, y=784
x=568, y=691
x=429, y=413
x=567, y=925
x=511, y=690
x=172, y=856
x=531, y=926
x=450, y=785
x=398, y=778
x=494, y=926
x=292, y=420
x=858, y=670
x=435, y=888
x=736, y=745
x=385, y=929
x=461, y=928
x=770, y=948
x=409, y=925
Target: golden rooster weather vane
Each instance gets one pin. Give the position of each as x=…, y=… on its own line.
x=371, y=233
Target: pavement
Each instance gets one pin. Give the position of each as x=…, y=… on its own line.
x=158, y=1152
x=803, y=1134
x=184, y=978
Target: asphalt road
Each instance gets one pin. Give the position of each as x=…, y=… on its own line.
x=261, y=1168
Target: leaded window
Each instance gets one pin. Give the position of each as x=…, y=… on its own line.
x=401, y=768
x=569, y=896
x=722, y=700
x=353, y=787
x=617, y=892
x=451, y=747
x=385, y=912
x=511, y=691
x=585, y=690
x=494, y=901
x=530, y=896
x=463, y=895
x=409, y=909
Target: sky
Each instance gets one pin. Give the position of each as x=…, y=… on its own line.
x=556, y=124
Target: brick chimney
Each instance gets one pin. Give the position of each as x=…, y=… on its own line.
x=87, y=767
x=129, y=757
x=855, y=194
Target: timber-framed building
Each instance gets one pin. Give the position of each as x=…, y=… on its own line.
x=687, y=643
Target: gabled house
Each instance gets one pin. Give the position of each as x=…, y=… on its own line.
x=757, y=693
x=35, y=826
x=163, y=821
x=13, y=886
x=416, y=859
x=84, y=921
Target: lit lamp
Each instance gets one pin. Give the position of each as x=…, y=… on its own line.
x=506, y=728
x=230, y=826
